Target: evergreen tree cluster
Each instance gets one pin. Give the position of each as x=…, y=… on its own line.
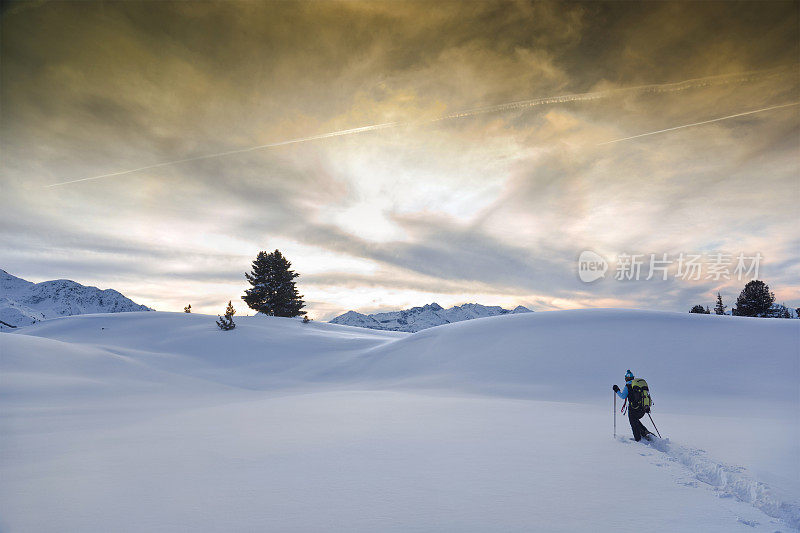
x=273, y=290
x=755, y=300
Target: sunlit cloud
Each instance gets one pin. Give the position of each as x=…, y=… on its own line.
x=497, y=108
x=398, y=154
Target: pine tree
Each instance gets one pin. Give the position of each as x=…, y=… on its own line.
x=699, y=309
x=273, y=289
x=719, y=308
x=754, y=300
x=225, y=323
x=187, y=309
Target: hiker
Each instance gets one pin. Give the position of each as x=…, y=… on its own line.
x=637, y=395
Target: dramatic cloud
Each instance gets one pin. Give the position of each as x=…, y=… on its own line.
x=492, y=206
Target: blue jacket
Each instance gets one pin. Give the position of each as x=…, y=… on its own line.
x=623, y=392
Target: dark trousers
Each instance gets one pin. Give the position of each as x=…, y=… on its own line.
x=634, y=417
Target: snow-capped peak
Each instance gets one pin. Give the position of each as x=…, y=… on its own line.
x=11, y=283
x=419, y=318
x=23, y=302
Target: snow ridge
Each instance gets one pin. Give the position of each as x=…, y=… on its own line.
x=23, y=303
x=419, y=318
x=730, y=480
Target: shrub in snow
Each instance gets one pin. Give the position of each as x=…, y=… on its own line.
x=700, y=310
x=225, y=323
x=778, y=311
x=187, y=309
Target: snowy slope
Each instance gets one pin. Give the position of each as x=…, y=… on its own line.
x=162, y=422
x=419, y=318
x=14, y=314
x=530, y=354
x=23, y=303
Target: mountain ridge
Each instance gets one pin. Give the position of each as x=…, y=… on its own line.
x=23, y=302
x=423, y=317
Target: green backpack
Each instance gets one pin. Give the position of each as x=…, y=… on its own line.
x=639, y=397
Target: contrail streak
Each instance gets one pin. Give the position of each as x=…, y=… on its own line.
x=523, y=104
x=651, y=88
x=232, y=152
x=699, y=123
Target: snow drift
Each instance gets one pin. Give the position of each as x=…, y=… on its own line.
x=161, y=421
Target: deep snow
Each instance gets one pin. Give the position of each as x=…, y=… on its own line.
x=162, y=422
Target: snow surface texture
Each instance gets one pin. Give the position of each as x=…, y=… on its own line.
x=419, y=318
x=23, y=303
x=162, y=422
x=730, y=481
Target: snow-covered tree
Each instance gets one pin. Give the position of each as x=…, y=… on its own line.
x=719, y=308
x=273, y=290
x=699, y=309
x=754, y=300
x=778, y=311
x=225, y=323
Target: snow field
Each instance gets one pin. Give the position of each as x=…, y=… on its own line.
x=158, y=421
x=355, y=461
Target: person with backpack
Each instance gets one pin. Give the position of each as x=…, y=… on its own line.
x=637, y=395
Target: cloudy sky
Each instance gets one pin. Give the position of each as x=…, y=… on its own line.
x=492, y=206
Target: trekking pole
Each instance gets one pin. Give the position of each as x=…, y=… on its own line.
x=654, y=425
x=615, y=413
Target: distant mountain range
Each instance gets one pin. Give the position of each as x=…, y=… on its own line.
x=23, y=303
x=419, y=318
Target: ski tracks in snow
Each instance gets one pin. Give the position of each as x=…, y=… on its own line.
x=726, y=480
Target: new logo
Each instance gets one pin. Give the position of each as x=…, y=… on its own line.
x=591, y=266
